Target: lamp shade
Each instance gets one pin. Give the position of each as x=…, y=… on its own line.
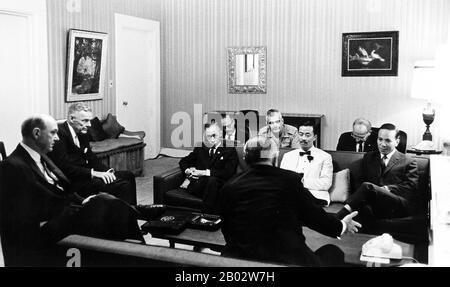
x=424, y=83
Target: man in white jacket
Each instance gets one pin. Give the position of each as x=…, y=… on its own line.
x=314, y=166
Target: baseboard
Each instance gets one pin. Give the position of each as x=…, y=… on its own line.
x=173, y=152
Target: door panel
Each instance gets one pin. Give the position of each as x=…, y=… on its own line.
x=24, y=65
x=138, y=78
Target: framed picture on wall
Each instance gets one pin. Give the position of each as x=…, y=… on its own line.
x=86, y=64
x=370, y=54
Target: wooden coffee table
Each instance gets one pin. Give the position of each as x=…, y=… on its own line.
x=350, y=244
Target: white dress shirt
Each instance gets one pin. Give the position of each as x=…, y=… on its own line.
x=37, y=159
x=389, y=155
x=317, y=173
x=74, y=135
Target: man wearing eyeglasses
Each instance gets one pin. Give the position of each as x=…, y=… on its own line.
x=360, y=139
x=284, y=135
x=208, y=167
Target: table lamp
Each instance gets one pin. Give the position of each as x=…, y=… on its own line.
x=424, y=86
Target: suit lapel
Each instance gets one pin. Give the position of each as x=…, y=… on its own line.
x=53, y=168
x=29, y=160
x=217, y=154
x=66, y=131
x=393, y=161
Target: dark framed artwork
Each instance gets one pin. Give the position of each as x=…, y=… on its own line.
x=370, y=54
x=86, y=61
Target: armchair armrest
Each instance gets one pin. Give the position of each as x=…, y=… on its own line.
x=139, y=134
x=164, y=182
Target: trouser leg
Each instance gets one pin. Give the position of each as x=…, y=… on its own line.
x=384, y=204
x=107, y=217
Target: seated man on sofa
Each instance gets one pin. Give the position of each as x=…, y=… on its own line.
x=73, y=154
x=284, y=135
x=360, y=139
x=313, y=164
x=389, y=181
x=208, y=167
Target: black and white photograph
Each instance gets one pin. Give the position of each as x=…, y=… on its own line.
x=244, y=138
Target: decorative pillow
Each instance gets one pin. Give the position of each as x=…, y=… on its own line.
x=111, y=127
x=340, y=189
x=96, y=130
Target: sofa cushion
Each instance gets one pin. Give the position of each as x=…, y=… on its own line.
x=340, y=189
x=96, y=130
x=112, y=127
x=112, y=144
x=180, y=197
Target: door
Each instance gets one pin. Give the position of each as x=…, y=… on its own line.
x=24, y=66
x=138, y=78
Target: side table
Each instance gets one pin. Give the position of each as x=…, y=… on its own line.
x=422, y=152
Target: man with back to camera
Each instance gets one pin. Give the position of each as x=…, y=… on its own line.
x=388, y=183
x=284, y=135
x=73, y=154
x=263, y=210
x=314, y=166
x=360, y=139
x=208, y=167
x=38, y=205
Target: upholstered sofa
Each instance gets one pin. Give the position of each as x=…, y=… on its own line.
x=413, y=229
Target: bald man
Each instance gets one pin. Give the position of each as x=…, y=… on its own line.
x=38, y=207
x=360, y=139
x=208, y=167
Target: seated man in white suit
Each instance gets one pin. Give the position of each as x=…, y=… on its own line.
x=314, y=166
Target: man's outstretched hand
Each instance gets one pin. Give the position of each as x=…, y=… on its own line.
x=352, y=226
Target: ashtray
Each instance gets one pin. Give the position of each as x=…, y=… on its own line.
x=205, y=222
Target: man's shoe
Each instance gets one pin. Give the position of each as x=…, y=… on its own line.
x=149, y=212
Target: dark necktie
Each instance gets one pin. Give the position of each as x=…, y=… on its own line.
x=360, y=146
x=305, y=153
x=383, y=163
x=50, y=174
x=211, y=152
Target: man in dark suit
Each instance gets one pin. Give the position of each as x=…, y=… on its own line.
x=38, y=206
x=389, y=181
x=360, y=139
x=208, y=167
x=73, y=154
x=234, y=130
x=263, y=210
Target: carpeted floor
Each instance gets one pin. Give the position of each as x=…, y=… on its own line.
x=144, y=183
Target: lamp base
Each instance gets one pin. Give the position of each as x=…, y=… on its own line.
x=427, y=137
